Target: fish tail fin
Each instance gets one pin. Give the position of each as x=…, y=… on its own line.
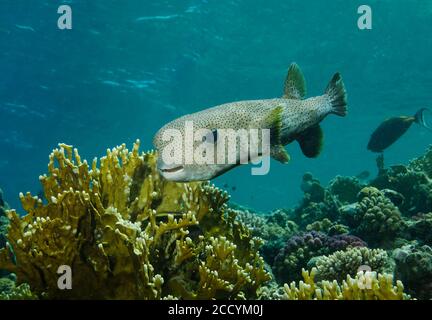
x=420, y=118
x=337, y=95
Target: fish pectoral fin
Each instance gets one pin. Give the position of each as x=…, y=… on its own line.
x=279, y=153
x=311, y=141
x=274, y=123
x=295, y=83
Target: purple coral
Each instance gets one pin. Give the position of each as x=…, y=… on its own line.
x=343, y=241
x=301, y=248
x=313, y=239
x=316, y=240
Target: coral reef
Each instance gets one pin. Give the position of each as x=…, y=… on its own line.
x=340, y=264
x=374, y=218
x=414, y=268
x=328, y=227
x=412, y=183
x=423, y=163
x=419, y=228
x=21, y=292
x=317, y=204
x=129, y=234
x=364, y=286
x=345, y=189
x=275, y=229
x=6, y=285
x=300, y=249
x=4, y=222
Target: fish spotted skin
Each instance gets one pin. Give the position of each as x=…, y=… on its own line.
x=289, y=118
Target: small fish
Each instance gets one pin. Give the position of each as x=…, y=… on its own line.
x=392, y=129
x=290, y=118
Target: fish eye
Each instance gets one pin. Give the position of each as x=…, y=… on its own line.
x=213, y=134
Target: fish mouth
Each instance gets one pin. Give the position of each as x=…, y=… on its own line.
x=172, y=170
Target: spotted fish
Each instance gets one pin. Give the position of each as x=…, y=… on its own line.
x=290, y=118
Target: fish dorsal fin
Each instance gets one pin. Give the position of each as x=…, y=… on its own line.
x=274, y=122
x=295, y=84
x=311, y=141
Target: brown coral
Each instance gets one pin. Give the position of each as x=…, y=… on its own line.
x=128, y=233
x=364, y=286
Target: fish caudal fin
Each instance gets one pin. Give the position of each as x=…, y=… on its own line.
x=337, y=95
x=420, y=118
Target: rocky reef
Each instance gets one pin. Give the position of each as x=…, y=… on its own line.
x=126, y=233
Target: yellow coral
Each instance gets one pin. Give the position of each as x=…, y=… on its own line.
x=128, y=233
x=364, y=286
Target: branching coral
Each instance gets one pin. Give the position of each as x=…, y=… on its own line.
x=414, y=268
x=364, y=286
x=340, y=264
x=374, y=218
x=275, y=229
x=300, y=249
x=129, y=234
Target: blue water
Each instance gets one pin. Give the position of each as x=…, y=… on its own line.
x=128, y=67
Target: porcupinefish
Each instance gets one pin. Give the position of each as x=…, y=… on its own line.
x=392, y=129
x=287, y=119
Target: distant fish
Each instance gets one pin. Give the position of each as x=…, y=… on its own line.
x=392, y=129
x=27, y=28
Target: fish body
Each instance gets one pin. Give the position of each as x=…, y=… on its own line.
x=288, y=118
x=392, y=129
